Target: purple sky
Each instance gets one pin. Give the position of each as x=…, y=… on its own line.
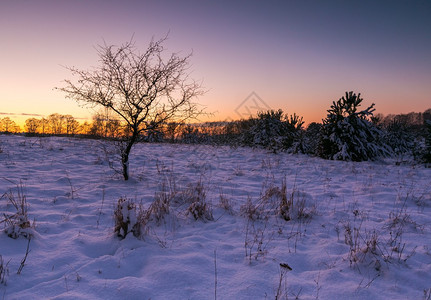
x=295, y=55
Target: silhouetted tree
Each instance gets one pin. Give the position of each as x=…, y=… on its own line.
x=105, y=124
x=98, y=127
x=311, y=138
x=190, y=134
x=71, y=125
x=155, y=133
x=56, y=123
x=85, y=128
x=427, y=150
x=8, y=125
x=144, y=89
x=44, y=125
x=32, y=125
x=427, y=115
x=171, y=131
x=399, y=136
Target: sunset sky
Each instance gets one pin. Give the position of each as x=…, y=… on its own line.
x=294, y=55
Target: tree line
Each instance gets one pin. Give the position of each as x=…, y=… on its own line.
x=348, y=132
x=8, y=125
x=404, y=127
x=273, y=130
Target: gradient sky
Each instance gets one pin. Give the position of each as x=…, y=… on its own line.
x=295, y=55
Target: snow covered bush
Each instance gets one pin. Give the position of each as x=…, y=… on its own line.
x=349, y=134
x=274, y=130
x=310, y=138
x=427, y=150
x=399, y=138
x=126, y=218
x=237, y=133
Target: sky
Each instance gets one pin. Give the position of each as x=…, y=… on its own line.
x=249, y=55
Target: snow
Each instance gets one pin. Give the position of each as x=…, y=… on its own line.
x=365, y=232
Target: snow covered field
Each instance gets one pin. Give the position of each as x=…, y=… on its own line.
x=356, y=230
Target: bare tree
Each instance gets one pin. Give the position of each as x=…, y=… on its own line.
x=85, y=128
x=8, y=125
x=56, y=123
x=105, y=124
x=44, y=125
x=71, y=124
x=32, y=125
x=144, y=89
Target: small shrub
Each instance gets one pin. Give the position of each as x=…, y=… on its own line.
x=398, y=222
x=285, y=204
x=311, y=138
x=250, y=210
x=126, y=218
x=198, y=207
x=257, y=239
x=160, y=207
x=225, y=204
x=273, y=130
x=4, y=271
x=17, y=223
x=364, y=247
x=163, y=198
x=291, y=206
x=399, y=138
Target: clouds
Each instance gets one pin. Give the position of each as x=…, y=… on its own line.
x=29, y=115
x=19, y=114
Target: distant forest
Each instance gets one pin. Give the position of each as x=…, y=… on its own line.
x=347, y=133
x=105, y=126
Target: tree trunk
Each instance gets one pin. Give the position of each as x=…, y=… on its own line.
x=125, y=155
x=125, y=163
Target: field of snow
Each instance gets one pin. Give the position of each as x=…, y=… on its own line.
x=277, y=226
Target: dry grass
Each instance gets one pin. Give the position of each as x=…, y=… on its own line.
x=364, y=246
x=16, y=223
x=226, y=204
x=4, y=271
x=131, y=217
x=199, y=208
